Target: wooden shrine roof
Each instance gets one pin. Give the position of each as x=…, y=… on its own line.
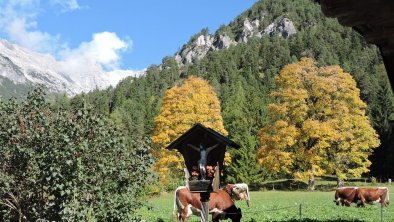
x=373, y=19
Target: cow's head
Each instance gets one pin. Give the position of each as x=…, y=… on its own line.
x=238, y=191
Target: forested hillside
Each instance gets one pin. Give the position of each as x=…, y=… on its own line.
x=243, y=74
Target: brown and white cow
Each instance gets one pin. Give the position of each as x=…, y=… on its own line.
x=238, y=191
x=346, y=195
x=373, y=196
x=221, y=206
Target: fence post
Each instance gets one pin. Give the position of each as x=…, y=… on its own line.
x=300, y=213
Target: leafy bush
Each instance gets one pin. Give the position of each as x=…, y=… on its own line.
x=65, y=165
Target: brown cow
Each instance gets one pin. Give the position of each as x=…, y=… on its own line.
x=346, y=196
x=372, y=196
x=221, y=206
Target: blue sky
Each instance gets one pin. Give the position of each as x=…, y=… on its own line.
x=127, y=34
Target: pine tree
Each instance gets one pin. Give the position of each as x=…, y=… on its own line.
x=382, y=113
x=239, y=122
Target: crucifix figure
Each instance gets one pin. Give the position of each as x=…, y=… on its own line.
x=202, y=162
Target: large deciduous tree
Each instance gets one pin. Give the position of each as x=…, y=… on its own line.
x=318, y=124
x=183, y=106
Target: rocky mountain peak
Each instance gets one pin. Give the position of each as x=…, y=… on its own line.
x=249, y=29
x=204, y=41
x=201, y=44
x=281, y=26
x=195, y=50
x=223, y=42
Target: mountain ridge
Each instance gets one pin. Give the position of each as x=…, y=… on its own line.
x=25, y=68
x=204, y=42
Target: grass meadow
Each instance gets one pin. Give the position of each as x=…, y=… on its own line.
x=281, y=206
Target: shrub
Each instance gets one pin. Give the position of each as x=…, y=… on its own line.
x=66, y=165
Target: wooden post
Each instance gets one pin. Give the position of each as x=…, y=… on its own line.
x=381, y=213
x=300, y=213
x=204, y=198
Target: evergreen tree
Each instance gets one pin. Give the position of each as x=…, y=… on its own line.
x=382, y=114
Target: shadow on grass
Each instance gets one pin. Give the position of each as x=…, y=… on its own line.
x=310, y=220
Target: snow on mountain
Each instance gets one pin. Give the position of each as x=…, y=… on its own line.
x=23, y=66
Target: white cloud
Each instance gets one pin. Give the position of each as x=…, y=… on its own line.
x=18, y=31
x=66, y=5
x=12, y=9
x=99, y=58
x=115, y=76
x=18, y=22
x=104, y=49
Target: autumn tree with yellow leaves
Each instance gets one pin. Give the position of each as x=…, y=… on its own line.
x=318, y=125
x=193, y=102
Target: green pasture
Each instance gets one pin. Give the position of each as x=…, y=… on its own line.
x=281, y=206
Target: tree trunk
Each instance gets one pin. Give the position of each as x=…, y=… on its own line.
x=311, y=184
